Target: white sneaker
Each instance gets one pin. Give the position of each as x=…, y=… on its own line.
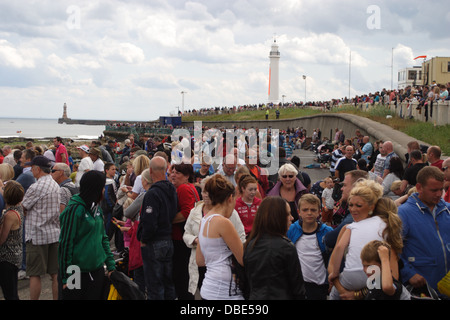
x=22, y=275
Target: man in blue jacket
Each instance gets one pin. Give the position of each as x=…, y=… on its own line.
x=426, y=231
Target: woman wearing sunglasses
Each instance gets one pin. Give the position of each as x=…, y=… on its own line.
x=289, y=187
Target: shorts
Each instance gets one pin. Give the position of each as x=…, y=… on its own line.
x=327, y=215
x=42, y=259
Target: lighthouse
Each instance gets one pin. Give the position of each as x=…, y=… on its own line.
x=274, y=74
x=64, y=111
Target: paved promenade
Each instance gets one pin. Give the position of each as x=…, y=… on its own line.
x=306, y=157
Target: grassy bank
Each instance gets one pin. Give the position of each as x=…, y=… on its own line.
x=423, y=131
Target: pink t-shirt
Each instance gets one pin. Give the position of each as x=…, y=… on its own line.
x=59, y=151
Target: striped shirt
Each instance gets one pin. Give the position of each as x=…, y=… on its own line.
x=42, y=218
x=335, y=156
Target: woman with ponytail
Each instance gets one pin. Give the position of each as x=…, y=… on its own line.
x=374, y=219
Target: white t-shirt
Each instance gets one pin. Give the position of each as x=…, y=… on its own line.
x=99, y=165
x=362, y=232
x=327, y=195
x=86, y=164
x=311, y=259
x=137, y=186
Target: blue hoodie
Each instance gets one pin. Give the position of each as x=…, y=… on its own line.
x=426, y=241
x=295, y=232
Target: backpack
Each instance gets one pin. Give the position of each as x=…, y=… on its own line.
x=73, y=190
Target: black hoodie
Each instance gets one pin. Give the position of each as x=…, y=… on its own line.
x=158, y=209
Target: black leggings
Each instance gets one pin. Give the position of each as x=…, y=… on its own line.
x=94, y=286
x=8, y=280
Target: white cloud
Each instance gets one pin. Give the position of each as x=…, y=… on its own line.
x=323, y=48
x=142, y=54
x=18, y=57
x=73, y=62
x=121, y=51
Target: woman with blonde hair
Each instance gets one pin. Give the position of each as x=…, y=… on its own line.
x=140, y=163
x=374, y=219
x=131, y=212
x=6, y=174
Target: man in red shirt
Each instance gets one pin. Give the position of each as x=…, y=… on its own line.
x=446, y=169
x=434, y=156
x=61, y=151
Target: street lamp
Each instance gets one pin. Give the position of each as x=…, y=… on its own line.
x=304, y=78
x=182, y=101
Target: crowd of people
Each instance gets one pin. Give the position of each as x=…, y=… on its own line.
x=426, y=96
x=228, y=230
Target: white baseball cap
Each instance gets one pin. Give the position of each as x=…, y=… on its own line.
x=84, y=147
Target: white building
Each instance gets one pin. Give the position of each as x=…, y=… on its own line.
x=274, y=74
x=409, y=77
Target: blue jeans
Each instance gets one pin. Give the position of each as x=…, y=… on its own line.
x=157, y=259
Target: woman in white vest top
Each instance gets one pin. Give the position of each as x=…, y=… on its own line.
x=369, y=224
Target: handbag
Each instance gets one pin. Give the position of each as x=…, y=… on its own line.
x=117, y=211
x=239, y=278
x=422, y=293
x=444, y=285
x=337, y=191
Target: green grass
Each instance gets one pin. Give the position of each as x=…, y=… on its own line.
x=424, y=131
x=254, y=115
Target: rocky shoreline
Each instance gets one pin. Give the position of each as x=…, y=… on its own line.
x=71, y=145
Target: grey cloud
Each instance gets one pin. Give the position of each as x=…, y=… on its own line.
x=188, y=84
x=153, y=82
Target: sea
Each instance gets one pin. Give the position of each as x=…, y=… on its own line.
x=47, y=128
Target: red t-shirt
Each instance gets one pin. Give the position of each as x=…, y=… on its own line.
x=447, y=195
x=187, y=197
x=438, y=164
x=59, y=151
x=247, y=213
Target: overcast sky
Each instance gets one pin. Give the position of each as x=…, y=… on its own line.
x=130, y=60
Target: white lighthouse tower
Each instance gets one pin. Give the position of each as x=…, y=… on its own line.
x=274, y=74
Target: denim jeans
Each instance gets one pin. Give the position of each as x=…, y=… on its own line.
x=157, y=258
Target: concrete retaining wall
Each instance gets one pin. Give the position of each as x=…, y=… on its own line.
x=327, y=123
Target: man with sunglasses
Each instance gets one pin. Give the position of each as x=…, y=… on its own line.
x=61, y=174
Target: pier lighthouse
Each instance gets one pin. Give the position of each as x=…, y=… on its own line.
x=274, y=74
